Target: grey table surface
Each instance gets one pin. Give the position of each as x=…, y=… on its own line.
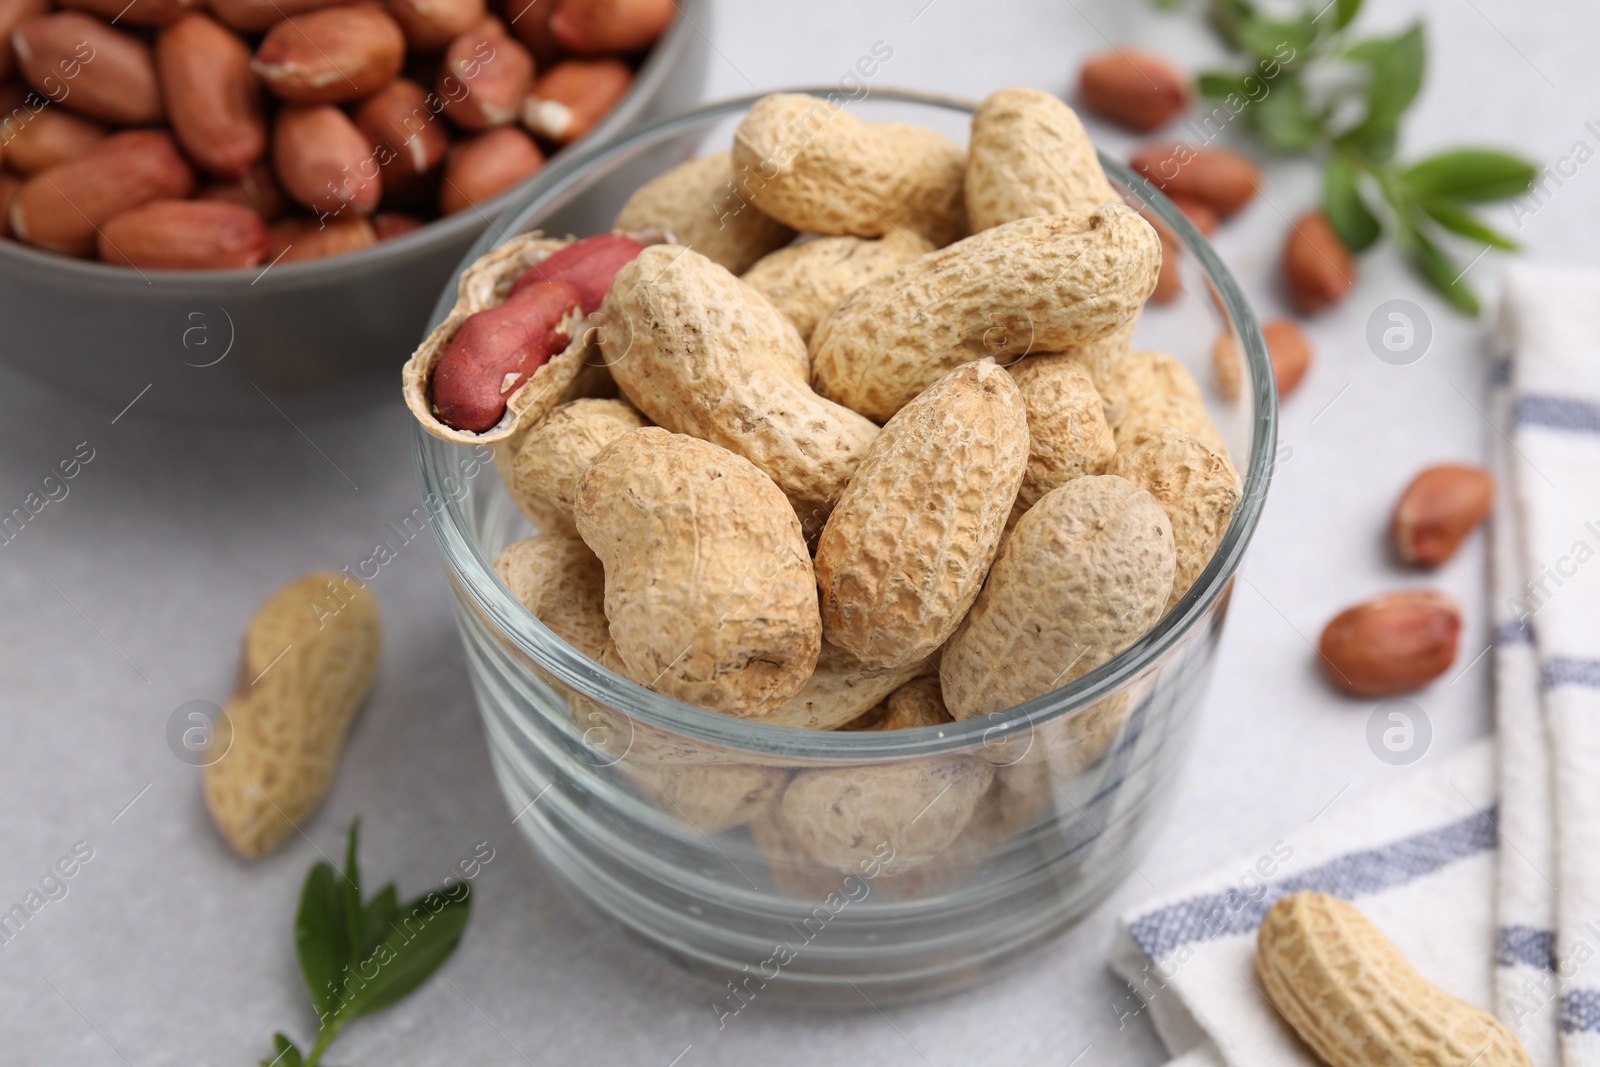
x=125, y=599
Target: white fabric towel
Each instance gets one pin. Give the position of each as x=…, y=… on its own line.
x=1417, y=857
x=1550, y=649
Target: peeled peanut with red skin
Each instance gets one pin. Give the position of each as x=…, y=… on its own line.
x=298, y=240
x=596, y=27
x=323, y=161
x=1318, y=270
x=185, y=235
x=588, y=266
x=1287, y=347
x=481, y=168
x=1222, y=180
x=253, y=16
x=136, y=13
x=407, y=135
x=11, y=13
x=390, y=224
x=89, y=68
x=496, y=350
x=331, y=56
x=1437, y=510
x=1133, y=88
x=496, y=71
x=569, y=98
x=213, y=102
x=9, y=184
x=429, y=25
x=1391, y=644
x=256, y=189
x=60, y=207
x=46, y=138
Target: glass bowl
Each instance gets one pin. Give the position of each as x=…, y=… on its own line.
x=817, y=867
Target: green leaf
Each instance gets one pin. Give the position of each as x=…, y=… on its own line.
x=1472, y=174
x=1395, y=67
x=1286, y=40
x=1345, y=12
x=1219, y=83
x=1226, y=16
x=1284, y=118
x=284, y=1053
x=1347, y=212
x=1457, y=219
x=1436, y=268
x=416, y=947
x=320, y=938
x=375, y=919
x=350, y=897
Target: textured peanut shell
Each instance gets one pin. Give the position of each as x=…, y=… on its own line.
x=702, y=353
x=820, y=169
x=1035, y=285
x=544, y=515
x=1069, y=435
x=1082, y=576
x=710, y=593
x=484, y=285
x=709, y=797
x=562, y=584
x=1352, y=997
x=1195, y=485
x=908, y=544
x=807, y=280
x=310, y=655
x=1029, y=155
x=698, y=205
x=792, y=869
x=841, y=690
x=1147, y=390
x=553, y=454
x=841, y=816
x=917, y=703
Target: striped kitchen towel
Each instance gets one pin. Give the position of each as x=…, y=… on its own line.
x=1549, y=647
x=1417, y=857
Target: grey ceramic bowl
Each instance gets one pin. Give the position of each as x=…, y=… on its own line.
x=304, y=339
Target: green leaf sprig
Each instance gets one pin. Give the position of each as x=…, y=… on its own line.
x=360, y=957
x=1294, y=100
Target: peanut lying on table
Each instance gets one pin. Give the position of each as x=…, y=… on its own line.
x=1003, y=493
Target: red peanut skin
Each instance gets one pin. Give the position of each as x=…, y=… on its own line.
x=185, y=235
x=495, y=351
x=481, y=168
x=299, y=240
x=587, y=265
x=48, y=137
x=13, y=12
x=9, y=184
x=59, y=207
x=496, y=71
x=138, y=13
x=1134, y=88
x=205, y=69
x=257, y=190
x=89, y=68
x=331, y=56
x=1317, y=268
x=586, y=88
x=1222, y=180
x=598, y=27
x=324, y=162
x=400, y=118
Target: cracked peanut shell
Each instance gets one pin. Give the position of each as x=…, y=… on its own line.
x=1085, y=573
x=710, y=593
x=1030, y=155
x=700, y=352
x=699, y=205
x=820, y=169
x=908, y=544
x=1195, y=485
x=1035, y=285
x=807, y=280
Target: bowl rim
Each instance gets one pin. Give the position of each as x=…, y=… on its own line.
x=663, y=56
x=472, y=573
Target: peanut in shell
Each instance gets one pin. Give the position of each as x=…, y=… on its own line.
x=1030, y=155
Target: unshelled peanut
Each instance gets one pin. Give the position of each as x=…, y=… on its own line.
x=1196, y=486
x=310, y=655
x=808, y=280
x=698, y=205
x=562, y=584
x=1035, y=285
x=1067, y=428
x=554, y=453
x=1030, y=156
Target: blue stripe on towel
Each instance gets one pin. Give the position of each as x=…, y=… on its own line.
x=1557, y=413
x=1352, y=875
x=1568, y=670
x=1526, y=945
x=1580, y=1010
x=1515, y=632
x=1500, y=372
